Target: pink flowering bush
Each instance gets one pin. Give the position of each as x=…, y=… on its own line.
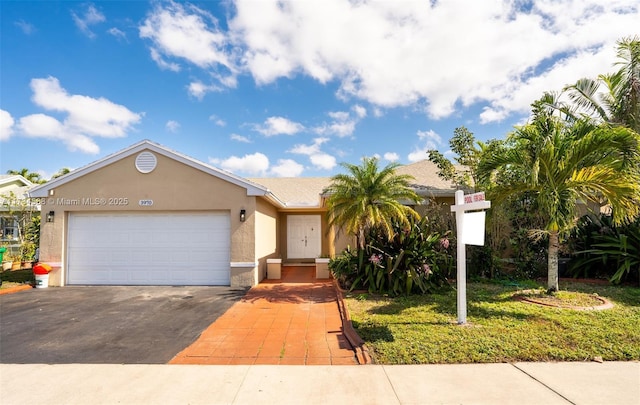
x=415, y=260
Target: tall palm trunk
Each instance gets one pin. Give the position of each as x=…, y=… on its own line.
x=552, y=262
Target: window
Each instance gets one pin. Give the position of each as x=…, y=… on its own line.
x=8, y=228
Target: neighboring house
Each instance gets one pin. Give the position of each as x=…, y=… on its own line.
x=148, y=215
x=13, y=194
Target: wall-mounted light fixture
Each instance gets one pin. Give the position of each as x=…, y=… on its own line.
x=50, y=216
x=243, y=215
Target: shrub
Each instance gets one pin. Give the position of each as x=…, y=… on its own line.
x=602, y=249
x=415, y=260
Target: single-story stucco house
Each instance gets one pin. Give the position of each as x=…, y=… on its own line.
x=148, y=215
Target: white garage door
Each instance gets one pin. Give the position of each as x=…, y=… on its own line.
x=148, y=249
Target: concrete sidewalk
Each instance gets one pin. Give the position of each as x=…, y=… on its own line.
x=611, y=383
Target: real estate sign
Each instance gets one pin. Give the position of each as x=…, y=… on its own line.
x=470, y=221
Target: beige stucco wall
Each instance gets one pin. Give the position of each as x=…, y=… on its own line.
x=342, y=240
x=173, y=186
x=267, y=228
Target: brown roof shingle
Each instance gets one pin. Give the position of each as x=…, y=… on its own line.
x=295, y=191
x=298, y=192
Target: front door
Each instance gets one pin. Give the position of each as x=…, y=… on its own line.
x=304, y=239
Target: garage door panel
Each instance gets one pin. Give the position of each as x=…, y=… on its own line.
x=120, y=258
x=115, y=275
x=149, y=249
x=97, y=275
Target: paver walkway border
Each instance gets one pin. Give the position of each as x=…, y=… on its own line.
x=16, y=289
x=294, y=321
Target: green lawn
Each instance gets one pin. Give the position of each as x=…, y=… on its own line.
x=423, y=329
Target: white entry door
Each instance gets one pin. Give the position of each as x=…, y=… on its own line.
x=304, y=238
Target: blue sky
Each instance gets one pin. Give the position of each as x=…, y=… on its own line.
x=285, y=88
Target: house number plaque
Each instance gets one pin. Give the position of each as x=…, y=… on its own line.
x=145, y=203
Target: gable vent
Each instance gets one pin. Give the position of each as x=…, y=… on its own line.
x=146, y=162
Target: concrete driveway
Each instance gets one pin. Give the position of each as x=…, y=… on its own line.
x=119, y=325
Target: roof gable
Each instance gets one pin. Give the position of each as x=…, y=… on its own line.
x=14, y=183
x=252, y=188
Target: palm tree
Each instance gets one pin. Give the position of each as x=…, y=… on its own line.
x=61, y=172
x=557, y=161
x=29, y=175
x=368, y=197
x=619, y=104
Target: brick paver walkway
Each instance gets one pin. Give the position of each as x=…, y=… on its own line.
x=294, y=320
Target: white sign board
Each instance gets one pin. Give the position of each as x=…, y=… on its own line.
x=473, y=231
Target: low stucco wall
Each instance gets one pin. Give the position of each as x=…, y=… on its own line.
x=244, y=274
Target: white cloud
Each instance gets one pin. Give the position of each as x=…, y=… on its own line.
x=570, y=68
x=318, y=158
x=89, y=16
x=117, y=33
x=6, y=125
x=342, y=124
x=46, y=127
x=339, y=115
x=41, y=126
x=163, y=64
x=279, y=126
x=255, y=164
x=86, y=117
x=172, y=126
x=430, y=136
x=218, y=121
x=302, y=149
x=418, y=154
x=360, y=111
x=323, y=161
x=438, y=56
x=287, y=168
x=199, y=89
x=240, y=138
x=186, y=32
x=338, y=128
x=441, y=55
x=92, y=116
x=493, y=114
x=391, y=156
x=26, y=28
x=430, y=140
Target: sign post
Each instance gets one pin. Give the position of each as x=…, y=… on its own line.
x=470, y=231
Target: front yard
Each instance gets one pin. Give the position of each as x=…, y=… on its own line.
x=422, y=329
